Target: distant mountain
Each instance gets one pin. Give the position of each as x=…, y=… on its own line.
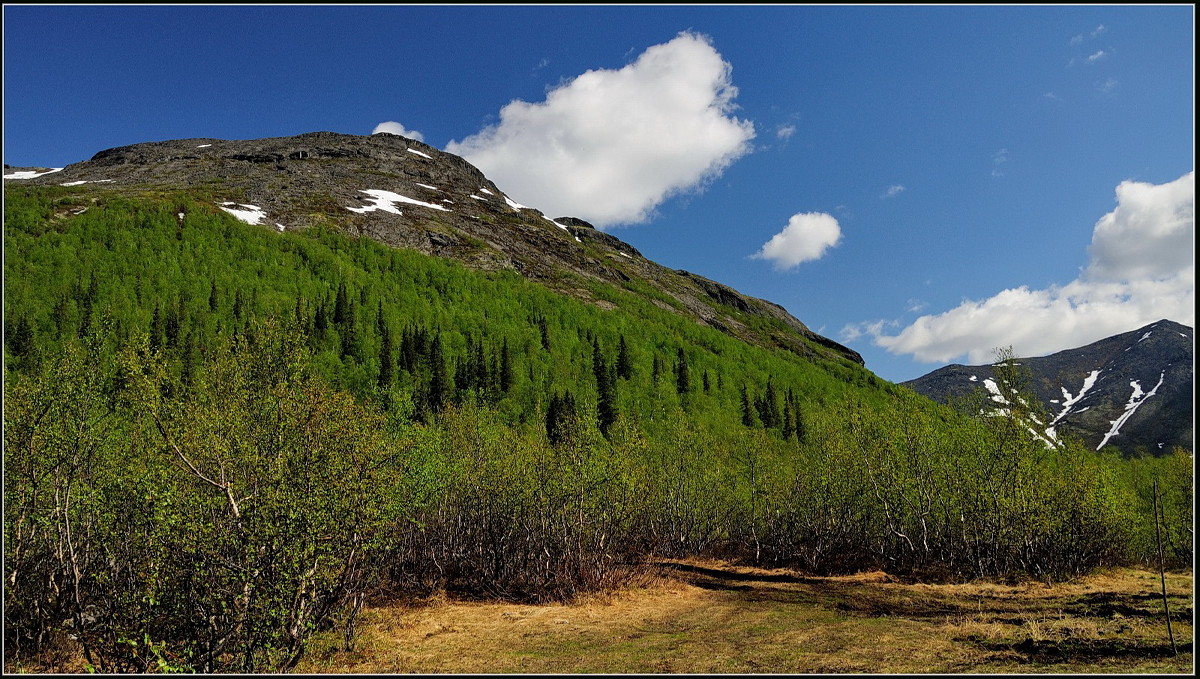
x=1130, y=391
x=405, y=193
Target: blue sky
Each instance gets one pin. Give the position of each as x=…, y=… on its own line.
x=923, y=184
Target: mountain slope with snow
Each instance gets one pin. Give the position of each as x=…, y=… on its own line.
x=1130, y=391
x=404, y=193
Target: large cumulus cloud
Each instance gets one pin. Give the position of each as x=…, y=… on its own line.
x=1141, y=269
x=611, y=145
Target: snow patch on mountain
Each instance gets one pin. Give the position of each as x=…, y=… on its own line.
x=564, y=228
x=387, y=201
x=423, y=155
x=995, y=391
x=251, y=214
x=1136, y=399
x=1069, y=401
x=30, y=174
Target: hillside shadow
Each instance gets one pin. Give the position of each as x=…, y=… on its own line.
x=732, y=576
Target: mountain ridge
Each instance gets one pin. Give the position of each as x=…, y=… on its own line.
x=405, y=193
x=1132, y=390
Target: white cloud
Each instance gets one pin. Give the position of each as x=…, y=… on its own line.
x=1100, y=30
x=1076, y=40
x=1141, y=269
x=893, y=191
x=611, y=145
x=806, y=237
x=1107, y=86
x=392, y=127
x=785, y=131
x=1097, y=56
x=1148, y=235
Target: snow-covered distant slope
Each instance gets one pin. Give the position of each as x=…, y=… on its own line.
x=1129, y=391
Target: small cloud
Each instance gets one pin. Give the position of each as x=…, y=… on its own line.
x=1100, y=54
x=1107, y=86
x=1076, y=40
x=1100, y=30
x=893, y=191
x=1050, y=95
x=999, y=158
x=785, y=131
x=916, y=305
x=392, y=127
x=854, y=331
x=805, y=238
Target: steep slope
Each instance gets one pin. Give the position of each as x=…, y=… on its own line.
x=1132, y=390
x=407, y=194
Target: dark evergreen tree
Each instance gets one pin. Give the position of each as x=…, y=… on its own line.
x=624, y=363
x=606, y=391
x=341, y=305
x=545, y=331
x=683, y=378
x=20, y=337
x=747, y=409
x=439, y=379
x=562, y=419
x=387, y=361
x=506, y=368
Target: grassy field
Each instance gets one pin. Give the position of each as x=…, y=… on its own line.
x=711, y=617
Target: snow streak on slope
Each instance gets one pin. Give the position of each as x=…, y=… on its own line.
x=387, y=201
x=30, y=174
x=1135, y=400
x=1069, y=401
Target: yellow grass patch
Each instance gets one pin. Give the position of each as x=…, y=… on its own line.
x=694, y=616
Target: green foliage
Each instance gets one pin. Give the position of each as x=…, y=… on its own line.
x=220, y=438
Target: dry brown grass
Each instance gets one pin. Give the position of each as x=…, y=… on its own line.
x=711, y=617
x=696, y=616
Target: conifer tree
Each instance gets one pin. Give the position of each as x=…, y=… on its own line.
x=606, y=402
x=683, y=378
x=387, y=362
x=506, y=368
x=747, y=409
x=439, y=380
x=341, y=307
x=624, y=363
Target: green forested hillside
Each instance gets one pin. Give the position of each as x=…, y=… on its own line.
x=220, y=438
